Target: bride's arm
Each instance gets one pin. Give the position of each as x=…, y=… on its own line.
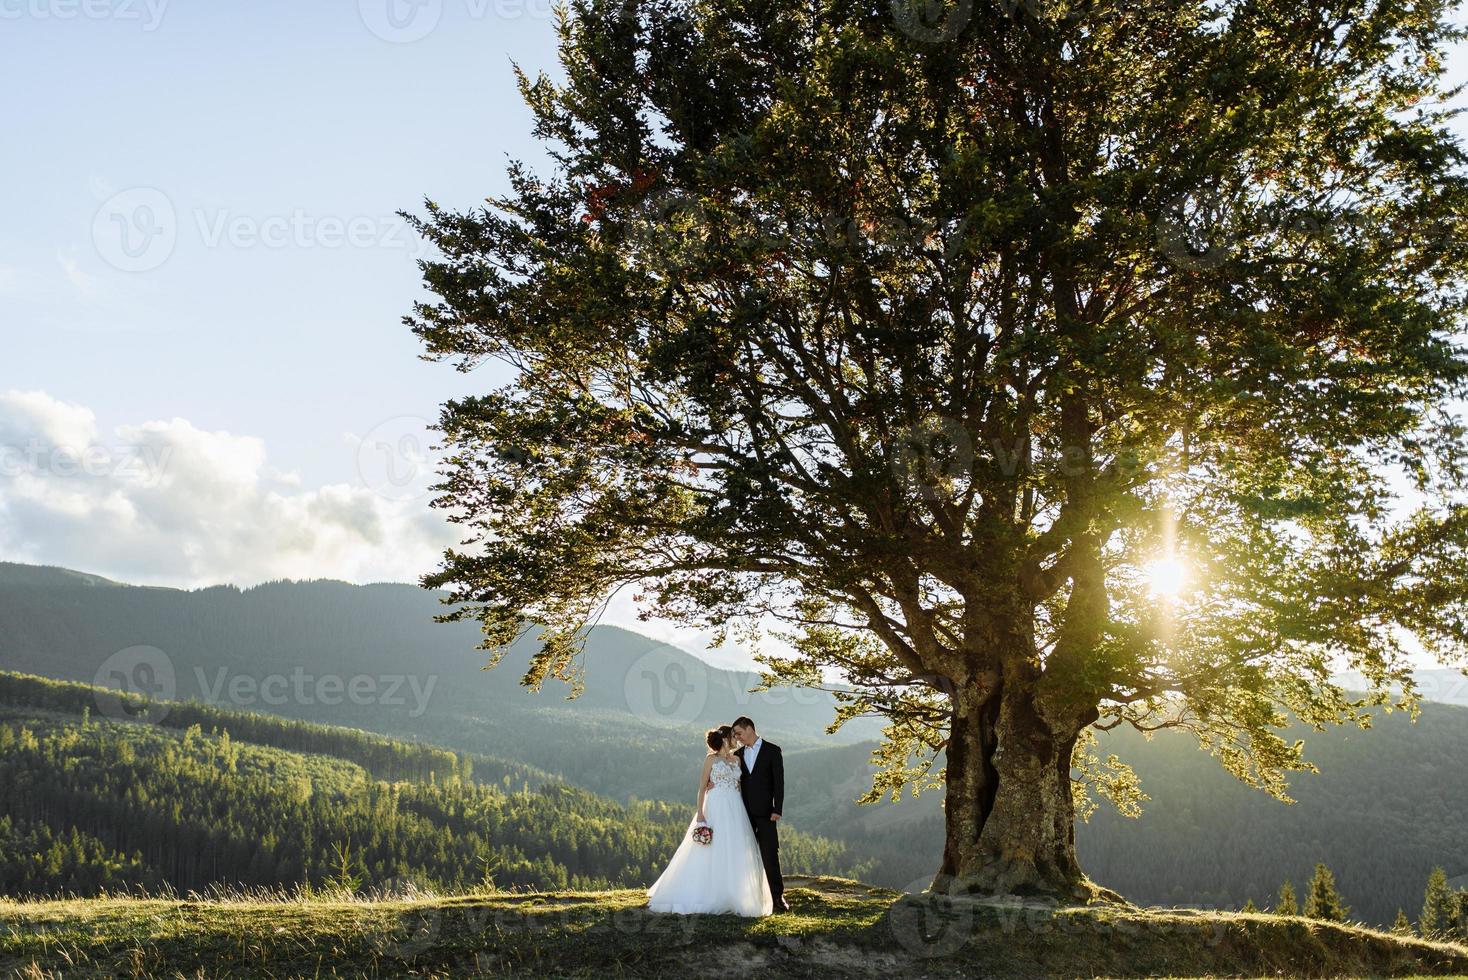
x=703, y=784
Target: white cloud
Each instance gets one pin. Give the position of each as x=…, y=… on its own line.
x=164, y=502
x=36, y=414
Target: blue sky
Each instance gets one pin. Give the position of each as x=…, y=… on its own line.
x=201, y=276
x=248, y=118
x=205, y=377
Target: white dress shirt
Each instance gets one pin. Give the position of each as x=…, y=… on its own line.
x=751, y=753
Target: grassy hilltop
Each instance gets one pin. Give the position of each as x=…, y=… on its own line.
x=838, y=928
x=1383, y=811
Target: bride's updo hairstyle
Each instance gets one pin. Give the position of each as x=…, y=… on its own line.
x=715, y=737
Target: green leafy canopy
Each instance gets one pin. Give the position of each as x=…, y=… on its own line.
x=925, y=330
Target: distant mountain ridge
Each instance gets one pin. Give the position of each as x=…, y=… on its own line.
x=1385, y=808
x=12, y=573
x=57, y=623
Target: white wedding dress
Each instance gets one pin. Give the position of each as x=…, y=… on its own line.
x=724, y=875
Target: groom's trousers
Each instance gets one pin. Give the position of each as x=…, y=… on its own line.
x=767, y=833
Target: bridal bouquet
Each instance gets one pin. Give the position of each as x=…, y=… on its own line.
x=703, y=834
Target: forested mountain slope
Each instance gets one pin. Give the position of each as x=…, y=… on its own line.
x=209, y=797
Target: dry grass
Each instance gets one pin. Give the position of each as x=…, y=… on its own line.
x=836, y=929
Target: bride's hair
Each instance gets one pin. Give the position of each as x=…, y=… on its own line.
x=715, y=736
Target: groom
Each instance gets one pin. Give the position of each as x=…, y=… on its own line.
x=762, y=784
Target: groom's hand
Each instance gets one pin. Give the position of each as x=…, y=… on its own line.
x=774, y=816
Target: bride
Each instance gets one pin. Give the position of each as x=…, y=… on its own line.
x=726, y=874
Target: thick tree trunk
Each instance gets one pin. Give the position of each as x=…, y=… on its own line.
x=1009, y=810
x=971, y=781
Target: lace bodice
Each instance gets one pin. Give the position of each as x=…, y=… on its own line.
x=725, y=774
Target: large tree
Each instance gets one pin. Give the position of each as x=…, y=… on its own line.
x=1041, y=369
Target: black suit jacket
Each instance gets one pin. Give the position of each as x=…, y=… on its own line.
x=764, y=788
